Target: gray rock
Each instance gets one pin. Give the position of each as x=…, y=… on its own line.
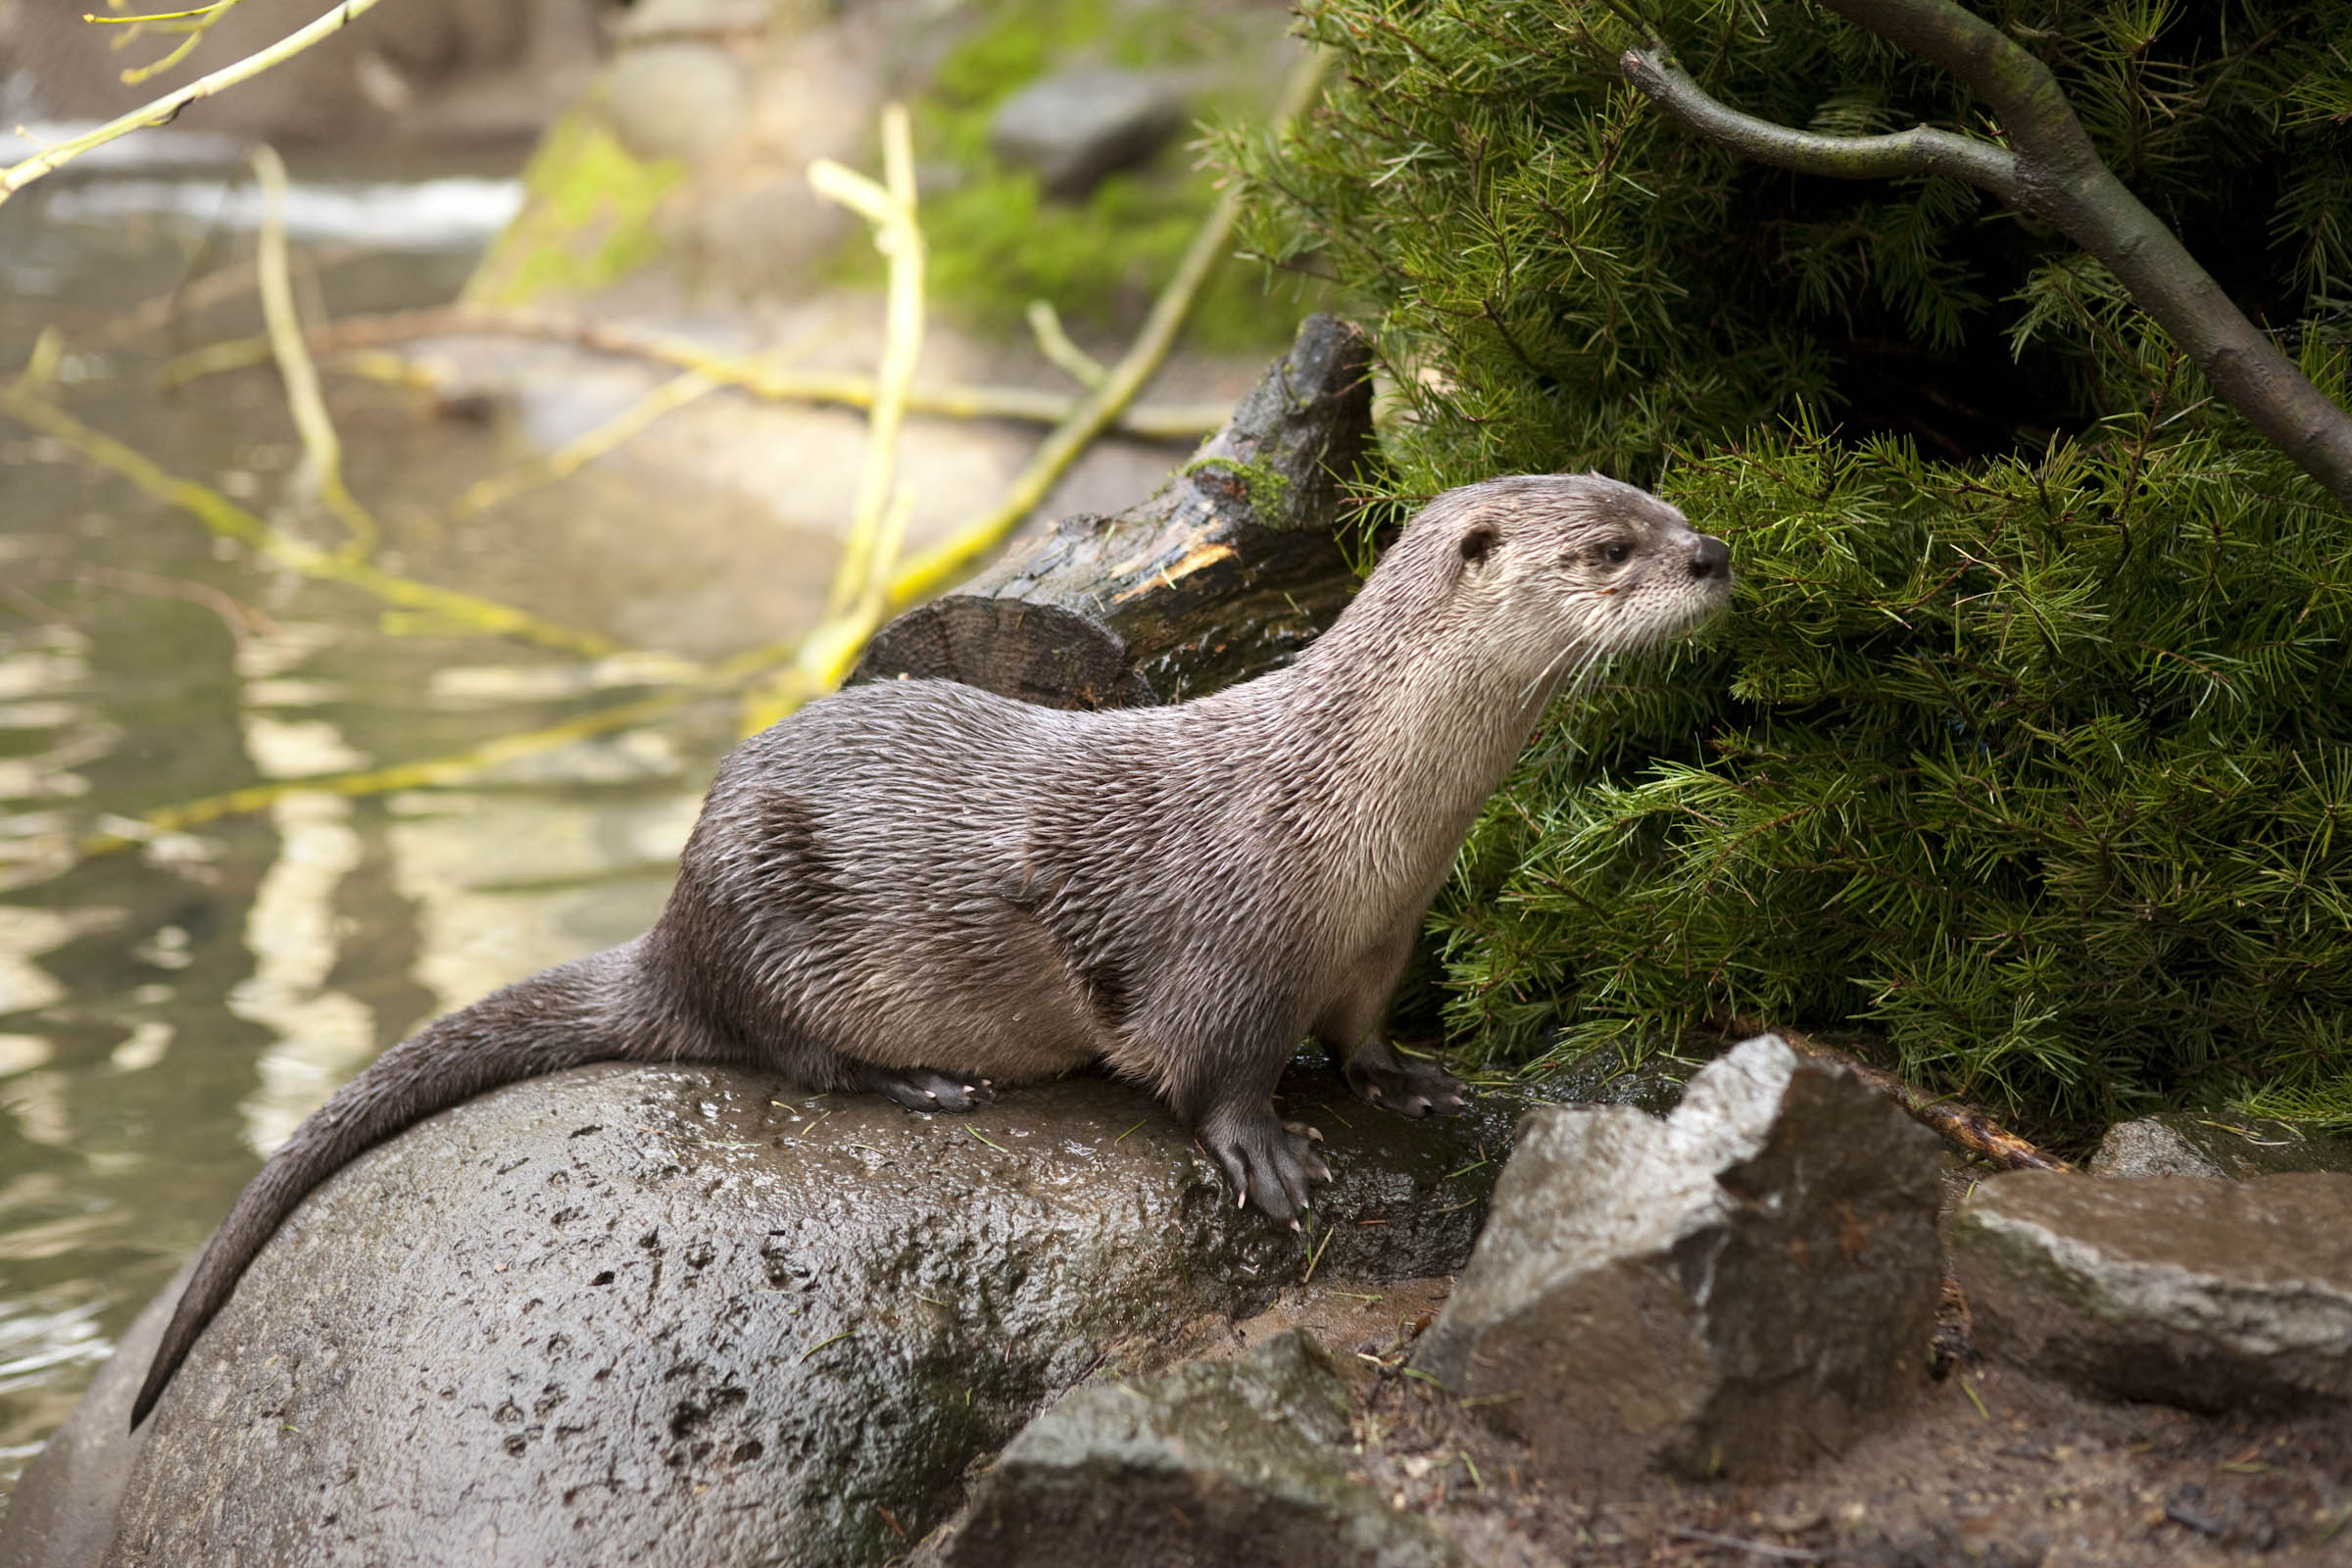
x=2191, y=1292
x=1235, y=1464
x=2215, y=1145
x=1081, y=124
x=1747, y=1284
x=675, y=1316
x=675, y=100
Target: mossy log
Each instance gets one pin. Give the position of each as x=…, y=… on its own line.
x=1232, y=566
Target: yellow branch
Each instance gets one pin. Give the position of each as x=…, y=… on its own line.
x=1054, y=342
x=438, y=771
x=899, y=237
x=1175, y=421
x=160, y=111
x=321, y=447
x=954, y=558
x=854, y=607
x=227, y=519
x=579, y=452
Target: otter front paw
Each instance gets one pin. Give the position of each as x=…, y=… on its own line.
x=921, y=1089
x=1403, y=1085
x=1268, y=1162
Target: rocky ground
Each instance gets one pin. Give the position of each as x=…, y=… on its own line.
x=2005, y=1461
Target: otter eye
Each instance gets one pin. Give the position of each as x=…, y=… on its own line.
x=1614, y=554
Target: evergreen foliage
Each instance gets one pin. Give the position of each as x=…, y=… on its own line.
x=2030, y=739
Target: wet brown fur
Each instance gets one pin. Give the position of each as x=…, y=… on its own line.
x=921, y=888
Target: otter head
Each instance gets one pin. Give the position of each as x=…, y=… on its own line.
x=1561, y=570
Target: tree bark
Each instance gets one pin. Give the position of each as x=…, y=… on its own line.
x=2050, y=172
x=1232, y=566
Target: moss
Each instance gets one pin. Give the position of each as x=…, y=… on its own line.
x=997, y=241
x=1267, y=487
x=587, y=218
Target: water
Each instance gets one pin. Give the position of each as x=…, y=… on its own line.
x=169, y=1014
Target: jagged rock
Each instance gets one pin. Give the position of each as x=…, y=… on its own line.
x=1227, y=570
x=1238, y=1464
x=1079, y=125
x=2215, y=1145
x=1733, y=1290
x=676, y=1316
x=2209, y=1295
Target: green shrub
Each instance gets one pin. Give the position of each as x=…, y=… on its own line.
x=2029, y=741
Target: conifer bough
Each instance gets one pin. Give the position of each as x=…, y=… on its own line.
x=2051, y=172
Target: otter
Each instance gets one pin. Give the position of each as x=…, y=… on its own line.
x=925, y=890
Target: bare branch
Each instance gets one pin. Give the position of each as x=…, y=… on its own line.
x=759, y=375
x=322, y=448
x=166, y=109
x=2053, y=172
x=1921, y=150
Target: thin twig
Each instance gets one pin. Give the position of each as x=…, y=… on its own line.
x=1044, y=324
x=1149, y=421
x=853, y=607
x=898, y=234
x=201, y=293
x=322, y=448
x=582, y=450
x=195, y=23
x=164, y=110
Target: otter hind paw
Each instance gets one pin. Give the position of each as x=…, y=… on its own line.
x=1407, y=1087
x=921, y=1089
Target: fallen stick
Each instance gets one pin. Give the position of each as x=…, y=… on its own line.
x=1964, y=1127
x=749, y=372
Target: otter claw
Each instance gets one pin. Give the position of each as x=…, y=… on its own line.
x=1409, y=1088
x=1265, y=1162
x=921, y=1089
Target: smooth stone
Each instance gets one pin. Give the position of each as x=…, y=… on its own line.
x=1081, y=124
x=677, y=1316
x=2217, y=1145
x=675, y=100
x=1730, y=1291
x=2214, y=1296
x=1240, y=1464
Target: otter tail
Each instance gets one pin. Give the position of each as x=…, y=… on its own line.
x=593, y=1009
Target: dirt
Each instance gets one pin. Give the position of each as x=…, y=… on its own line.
x=1993, y=1466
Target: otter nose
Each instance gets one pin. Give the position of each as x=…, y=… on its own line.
x=1709, y=557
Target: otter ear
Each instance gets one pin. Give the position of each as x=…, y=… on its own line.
x=1479, y=540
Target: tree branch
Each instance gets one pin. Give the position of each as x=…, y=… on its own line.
x=162, y=111
x=759, y=374
x=1921, y=150
x=2053, y=174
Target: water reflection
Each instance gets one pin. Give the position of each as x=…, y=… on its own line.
x=169, y=1014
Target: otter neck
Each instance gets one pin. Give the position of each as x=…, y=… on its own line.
x=1408, y=724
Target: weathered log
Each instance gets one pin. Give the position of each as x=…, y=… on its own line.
x=1232, y=566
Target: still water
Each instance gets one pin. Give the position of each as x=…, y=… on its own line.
x=169, y=1012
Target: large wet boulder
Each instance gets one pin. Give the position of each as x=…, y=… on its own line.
x=1240, y=1464
x=683, y=1316
x=2215, y=1296
x=1734, y=1290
